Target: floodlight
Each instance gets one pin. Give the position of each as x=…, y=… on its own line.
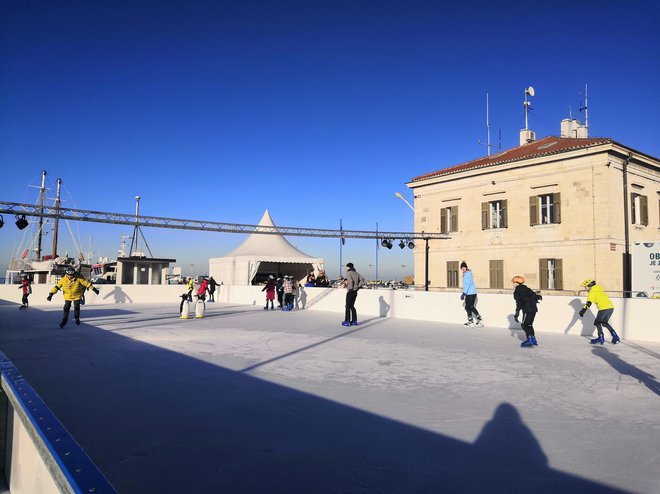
x=402, y=244
x=411, y=244
x=386, y=242
x=21, y=222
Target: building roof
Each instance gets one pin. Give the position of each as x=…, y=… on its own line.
x=544, y=147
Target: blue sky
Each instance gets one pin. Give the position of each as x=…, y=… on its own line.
x=313, y=110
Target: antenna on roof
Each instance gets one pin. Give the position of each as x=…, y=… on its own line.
x=528, y=104
x=585, y=107
x=488, y=144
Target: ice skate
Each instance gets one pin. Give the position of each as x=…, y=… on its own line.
x=615, y=338
x=528, y=343
x=469, y=324
x=600, y=339
x=534, y=342
x=77, y=321
x=63, y=323
x=354, y=323
x=345, y=323
x=479, y=323
x=23, y=307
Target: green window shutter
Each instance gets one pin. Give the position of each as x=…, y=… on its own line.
x=533, y=210
x=443, y=220
x=454, y=218
x=493, y=273
x=559, y=274
x=504, y=223
x=633, y=216
x=644, y=206
x=543, y=273
x=556, y=203
x=484, y=216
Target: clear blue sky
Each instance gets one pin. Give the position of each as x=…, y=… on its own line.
x=314, y=110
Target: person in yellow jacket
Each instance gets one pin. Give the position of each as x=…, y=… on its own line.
x=605, y=309
x=73, y=287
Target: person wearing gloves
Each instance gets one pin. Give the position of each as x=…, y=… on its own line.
x=469, y=295
x=27, y=290
x=354, y=281
x=526, y=300
x=73, y=287
x=605, y=309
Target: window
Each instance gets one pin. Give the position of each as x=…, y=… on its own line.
x=640, y=209
x=497, y=273
x=449, y=219
x=551, y=274
x=493, y=214
x=452, y=274
x=545, y=209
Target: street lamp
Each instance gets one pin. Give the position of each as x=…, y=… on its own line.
x=403, y=272
x=398, y=194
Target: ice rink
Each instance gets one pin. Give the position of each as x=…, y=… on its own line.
x=249, y=401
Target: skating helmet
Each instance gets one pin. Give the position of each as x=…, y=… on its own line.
x=518, y=279
x=23, y=276
x=588, y=282
x=271, y=277
x=70, y=271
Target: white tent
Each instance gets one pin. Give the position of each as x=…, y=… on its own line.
x=262, y=254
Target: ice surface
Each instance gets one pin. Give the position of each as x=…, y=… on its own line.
x=247, y=400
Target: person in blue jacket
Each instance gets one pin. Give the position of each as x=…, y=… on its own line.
x=470, y=297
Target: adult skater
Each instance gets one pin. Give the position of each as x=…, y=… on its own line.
x=470, y=296
x=212, y=285
x=73, y=287
x=279, y=288
x=354, y=281
x=605, y=309
x=26, y=286
x=270, y=292
x=526, y=300
x=201, y=290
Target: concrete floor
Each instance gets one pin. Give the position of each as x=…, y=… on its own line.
x=246, y=401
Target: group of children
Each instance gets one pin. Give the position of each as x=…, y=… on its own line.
x=527, y=300
x=285, y=287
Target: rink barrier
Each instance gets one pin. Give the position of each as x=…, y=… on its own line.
x=37, y=454
x=634, y=318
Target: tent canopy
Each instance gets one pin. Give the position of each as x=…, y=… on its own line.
x=262, y=254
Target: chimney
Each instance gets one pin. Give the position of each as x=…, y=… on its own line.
x=527, y=136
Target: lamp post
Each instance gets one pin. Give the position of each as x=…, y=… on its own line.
x=403, y=273
x=400, y=196
x=426, y=246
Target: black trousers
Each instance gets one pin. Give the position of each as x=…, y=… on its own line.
x=351, y=313
x=603, y=319
x=25, y=299
x=527, y=323
x=469, y=306
x=67, y=307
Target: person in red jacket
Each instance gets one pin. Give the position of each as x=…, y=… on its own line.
x=26, y=286
x=270, y=292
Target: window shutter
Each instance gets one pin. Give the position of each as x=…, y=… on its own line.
x=504, y=223
x=556, y=203
x=533, y=210
x=633, y=211
x=493, y=273
x=559, y=276
x=454, y=218
x=644, y=207
x=484, y=216
x=543, y=272
x=443, y=220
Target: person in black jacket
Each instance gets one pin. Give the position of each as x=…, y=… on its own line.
x=526, y=300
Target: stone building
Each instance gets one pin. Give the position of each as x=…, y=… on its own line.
x=556, y=211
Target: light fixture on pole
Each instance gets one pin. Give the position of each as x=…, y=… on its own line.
x=21, y=222
x=386, y=242
x=402, y=244
x=400, y=196
x=411, y=244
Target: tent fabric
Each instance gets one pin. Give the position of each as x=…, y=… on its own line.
x=241, y=265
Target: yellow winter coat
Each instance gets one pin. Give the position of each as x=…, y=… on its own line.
x=72, y=288
x=597, y=296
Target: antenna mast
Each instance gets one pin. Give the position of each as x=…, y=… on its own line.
x=487, y=125
x=585, y=108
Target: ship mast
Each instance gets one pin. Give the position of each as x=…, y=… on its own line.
x=42, y=195
x=57, y=217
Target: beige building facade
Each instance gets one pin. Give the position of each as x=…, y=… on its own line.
x=556, y=211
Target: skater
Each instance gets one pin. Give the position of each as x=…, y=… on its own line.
x=605, y=309
x=191, y=287
x=526, y=300
x=287, y=287
x=201, y=291
x=26, y=286
x=279, y=289
x=470, y=296
x=270, y=292
x=73, y=287
x=354, y=281
x=212, y=285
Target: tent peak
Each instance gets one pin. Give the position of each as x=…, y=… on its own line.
x=266, y=220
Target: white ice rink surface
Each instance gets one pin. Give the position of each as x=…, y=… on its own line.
x=246, y=401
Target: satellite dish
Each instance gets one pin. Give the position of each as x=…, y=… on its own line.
x=530, y=91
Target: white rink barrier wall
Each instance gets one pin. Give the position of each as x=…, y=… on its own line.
x=634, y=319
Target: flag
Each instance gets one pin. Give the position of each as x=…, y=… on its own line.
x=25, y=253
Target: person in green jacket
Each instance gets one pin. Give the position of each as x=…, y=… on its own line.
x=605, y=309
x=73, y=287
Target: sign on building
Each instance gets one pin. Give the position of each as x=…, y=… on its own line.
x=646, y=268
